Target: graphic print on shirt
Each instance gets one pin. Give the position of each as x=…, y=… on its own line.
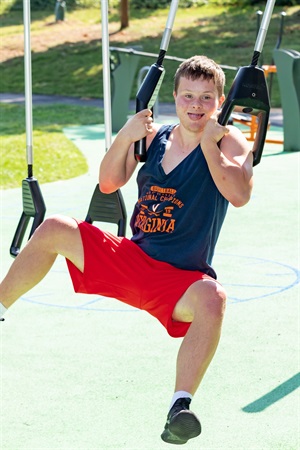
x=156, y=210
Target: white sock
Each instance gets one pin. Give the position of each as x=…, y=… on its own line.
x=2, y=310
x=180, y=394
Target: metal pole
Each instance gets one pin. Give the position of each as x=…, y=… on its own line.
x=169, y=25
x=106, y=74
x=282, y=16
x=28, y=85
x=264, y=26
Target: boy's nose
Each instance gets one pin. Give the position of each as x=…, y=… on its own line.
x=197, y=104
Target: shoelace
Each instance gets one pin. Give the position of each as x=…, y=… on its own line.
x=179, y=405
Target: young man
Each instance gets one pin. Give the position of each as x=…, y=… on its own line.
x=193, y=170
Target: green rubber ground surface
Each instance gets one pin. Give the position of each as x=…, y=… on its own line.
x=87, y=373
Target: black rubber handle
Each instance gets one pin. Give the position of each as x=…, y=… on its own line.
x=33, y=207
x=145, y=98
x=140, y=151
x=249, y=95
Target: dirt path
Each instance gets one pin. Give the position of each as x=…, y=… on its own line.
x=54, y=34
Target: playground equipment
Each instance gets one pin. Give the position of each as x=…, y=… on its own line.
x=123, y=68
x=149, y=89
x=286, y=64
x=288, y=73
x=107, y=207
x=251, y=121
x=142, y=72
x=33, y=202
x=249, y=93
x=277, y=45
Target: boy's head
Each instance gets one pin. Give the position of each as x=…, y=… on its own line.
x=200, y=67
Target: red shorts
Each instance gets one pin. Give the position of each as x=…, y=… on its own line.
x=116, y=267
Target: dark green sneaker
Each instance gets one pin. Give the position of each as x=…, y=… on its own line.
x=182, y=424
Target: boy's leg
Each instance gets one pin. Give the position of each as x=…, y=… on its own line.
x=56, y=235
x=203, y=304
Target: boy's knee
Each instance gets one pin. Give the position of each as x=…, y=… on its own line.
x=212, y=300
x=205, y=298
x=220, y=299
x=54, y=227
x=50, y=224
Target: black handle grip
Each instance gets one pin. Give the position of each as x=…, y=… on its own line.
x=15, y=247
x=145, y=98
x=33, y=206
x=249, y=95
x=140, y=151
x=262, y=127
x=19, y=235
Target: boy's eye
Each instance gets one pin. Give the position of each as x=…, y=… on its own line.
x=206, y=97
x=188, y=96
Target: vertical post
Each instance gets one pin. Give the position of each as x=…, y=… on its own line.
x=106, y=73
x=59, y=10
x=28, y=85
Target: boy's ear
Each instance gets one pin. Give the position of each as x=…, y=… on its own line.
x=174, y=95
x=221, y=100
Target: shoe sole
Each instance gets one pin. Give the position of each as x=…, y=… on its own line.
x=183, y=427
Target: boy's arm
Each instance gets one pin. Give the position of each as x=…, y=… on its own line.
x=119, y=163
x=230, y=162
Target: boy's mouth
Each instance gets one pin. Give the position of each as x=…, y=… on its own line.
x=194, y=116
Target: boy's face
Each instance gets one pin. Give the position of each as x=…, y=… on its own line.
x=196, y=101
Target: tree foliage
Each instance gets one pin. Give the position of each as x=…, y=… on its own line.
x=139, y=4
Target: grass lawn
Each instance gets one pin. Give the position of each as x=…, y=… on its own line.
x=55, y=157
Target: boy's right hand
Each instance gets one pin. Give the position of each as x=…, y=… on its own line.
x=138, y=126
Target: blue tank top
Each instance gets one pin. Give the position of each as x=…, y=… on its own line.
x=178, y=216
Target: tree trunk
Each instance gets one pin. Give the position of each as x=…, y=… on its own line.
x=124, y=14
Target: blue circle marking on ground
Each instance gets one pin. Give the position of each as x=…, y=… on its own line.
x=257, y=278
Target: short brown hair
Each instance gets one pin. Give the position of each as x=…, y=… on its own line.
x=201, y=66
